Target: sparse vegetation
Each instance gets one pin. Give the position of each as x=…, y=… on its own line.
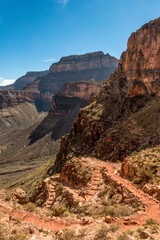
x=2, y=235
x=124, y=236
x=102, y=233
x=114, y=227
x=30, y=207
x=19, y=236
x=69, y=234
x=148, y=164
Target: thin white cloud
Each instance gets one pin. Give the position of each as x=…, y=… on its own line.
x=63, y=2
x=5, y=82
x=49, y=60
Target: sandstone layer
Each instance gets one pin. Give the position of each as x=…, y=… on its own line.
x=125, y=115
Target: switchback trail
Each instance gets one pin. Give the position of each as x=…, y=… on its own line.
x=151, y=209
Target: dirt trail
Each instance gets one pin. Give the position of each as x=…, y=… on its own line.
x=152, y=206
x=45, y=223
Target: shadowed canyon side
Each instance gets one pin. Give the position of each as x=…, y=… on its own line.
x=65, y=107
x=125, y=115
x=91, y=66
x=20, y=109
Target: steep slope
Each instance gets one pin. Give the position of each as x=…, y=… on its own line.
x=19, y=109
x=19, y=159
x=65, y=107
x=92, y=66
x=125, y=116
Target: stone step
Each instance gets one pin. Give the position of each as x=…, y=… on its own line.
x=95, y=179
x=94, y=188
x=97, y=172
x=52, y=191
x=52, y=195
x=96, y=176
x=94, y=185
x=91, y=192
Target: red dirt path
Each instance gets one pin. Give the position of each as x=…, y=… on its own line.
x=152, y=209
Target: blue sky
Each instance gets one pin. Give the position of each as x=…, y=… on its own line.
x=35, y=33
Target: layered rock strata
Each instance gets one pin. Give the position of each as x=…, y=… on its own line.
x=92, y=66
x=65, y=107
x=125, y=115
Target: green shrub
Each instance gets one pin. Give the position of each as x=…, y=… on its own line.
x=58, y=211
x=30, y=207
x=103, y=192
x=123, y=236
x=102, y=233
x=59, y=188
x=114, y=227
x=151, y=221
x=19, y=236
x=69, y=234
x=2, y=235
x=118, y=211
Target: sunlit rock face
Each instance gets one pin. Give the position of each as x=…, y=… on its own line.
x=96, y=60
x=125, y=115
x=141, y=62
x=92, y=66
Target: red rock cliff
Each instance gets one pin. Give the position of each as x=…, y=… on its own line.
x=125, y=115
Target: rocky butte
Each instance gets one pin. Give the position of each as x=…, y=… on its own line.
x=125, y=115
x=91, y=66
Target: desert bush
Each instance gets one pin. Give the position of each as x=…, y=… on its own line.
x=19, y=236
x=2, y=235
x=123, y=236
x=59, y=188
x=30, y=207
x=102, y=193
x=58, y=211
x=151, y=221
x=118, y=211
x=114, y=227
x=102, y=233
x=9, y=195
x=68, y=234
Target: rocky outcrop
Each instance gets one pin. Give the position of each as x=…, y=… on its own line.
x=9, y=99
x=92, y=66
x=13, y=98
x=65, y=107
x=128, y=170
x=125, y=115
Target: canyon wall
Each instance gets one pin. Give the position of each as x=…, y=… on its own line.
x=65, y=107
x=125, y=115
